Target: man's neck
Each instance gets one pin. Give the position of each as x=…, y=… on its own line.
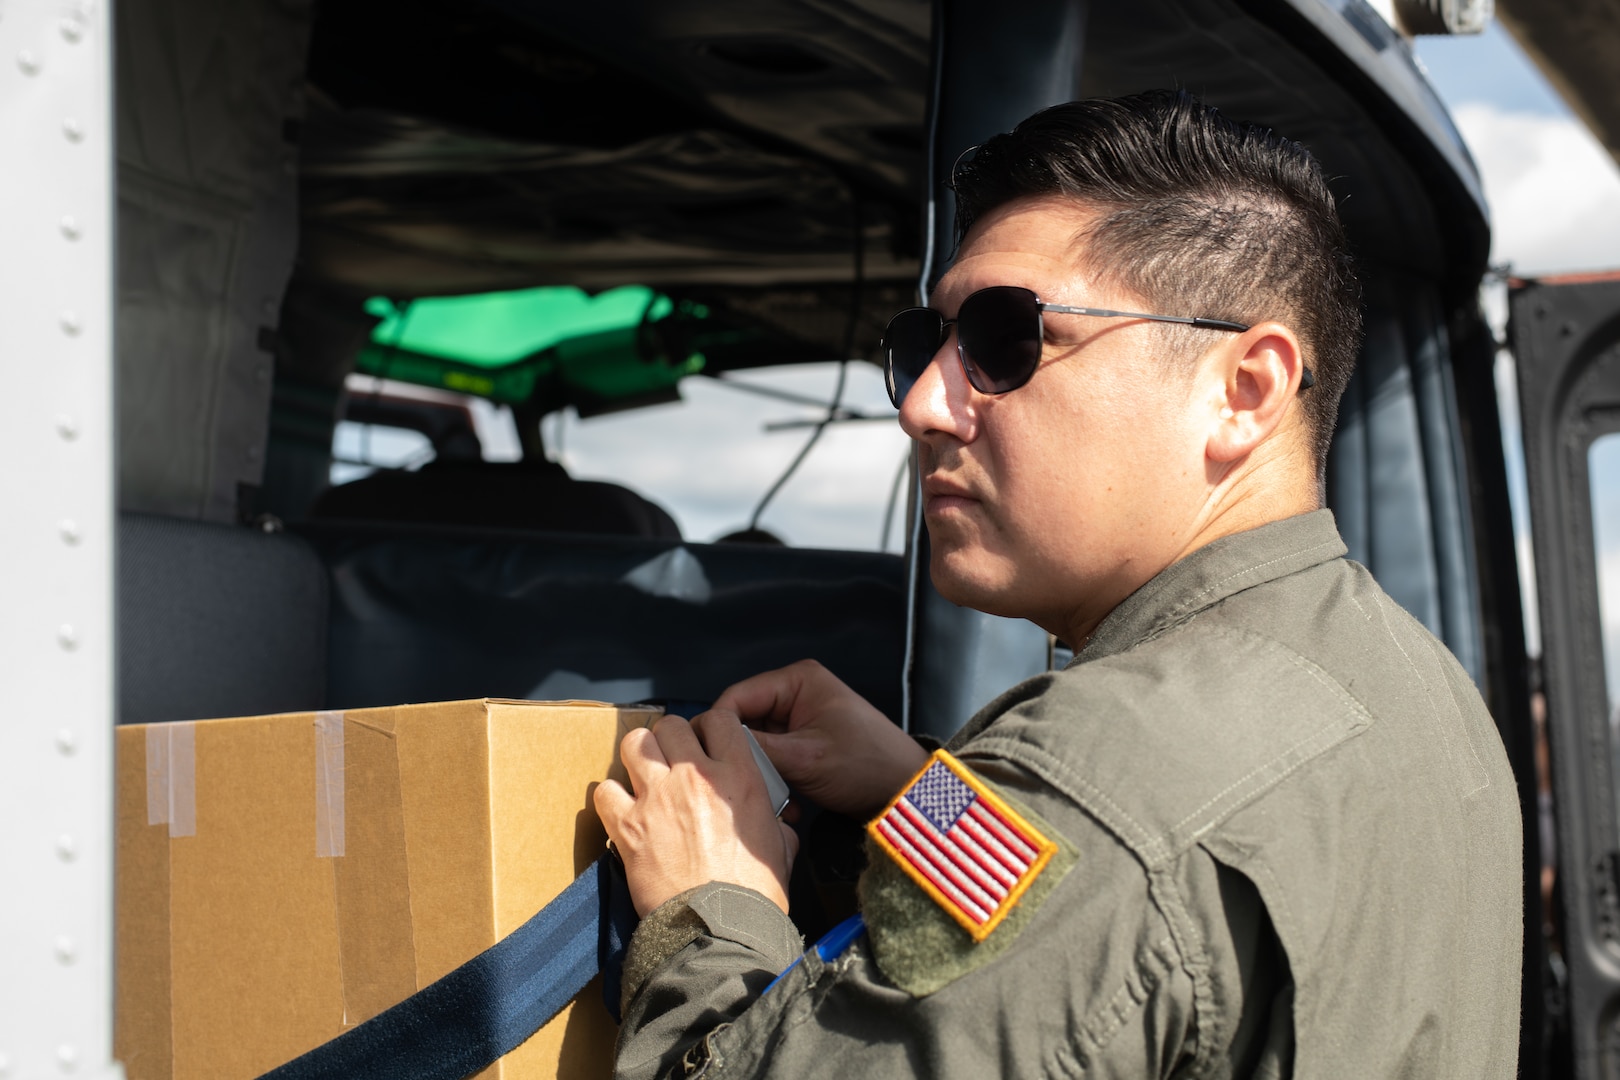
x=1243, y=507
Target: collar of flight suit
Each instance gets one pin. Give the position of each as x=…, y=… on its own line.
x=1214, y=572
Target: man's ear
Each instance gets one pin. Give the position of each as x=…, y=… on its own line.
x=1259, y=371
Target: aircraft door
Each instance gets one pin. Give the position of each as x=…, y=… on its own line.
x=1566, y=337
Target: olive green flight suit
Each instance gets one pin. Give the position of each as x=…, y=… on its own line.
x=1290, y=847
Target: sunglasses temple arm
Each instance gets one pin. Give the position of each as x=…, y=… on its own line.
x=1217, y=324
x=1306, y=381
x=1183, y=320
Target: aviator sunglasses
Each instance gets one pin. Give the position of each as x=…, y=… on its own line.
x=998, y=339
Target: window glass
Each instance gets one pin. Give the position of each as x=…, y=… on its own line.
x=674, y=409
x=710, y=458
x=361, y=449
x=1604, y=462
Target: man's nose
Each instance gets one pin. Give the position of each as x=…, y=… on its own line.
x=940, y=402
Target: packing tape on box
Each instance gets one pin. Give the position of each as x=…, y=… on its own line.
x=329, y=786
x=357, y=762
x=171, y=777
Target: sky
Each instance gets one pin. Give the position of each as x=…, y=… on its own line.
x=1554, y=192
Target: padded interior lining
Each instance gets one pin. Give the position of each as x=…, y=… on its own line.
x=439, y=615
x=216, y=620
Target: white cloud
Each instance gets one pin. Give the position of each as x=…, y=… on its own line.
x=1554, y=191
x=708, y=459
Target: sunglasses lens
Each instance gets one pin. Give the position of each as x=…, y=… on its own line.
x=1000, y=329
x=909, y=345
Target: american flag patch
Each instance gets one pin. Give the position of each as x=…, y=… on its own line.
x=962, y=843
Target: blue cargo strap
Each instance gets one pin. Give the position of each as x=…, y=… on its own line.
x=830, y=947
x=488, y=1006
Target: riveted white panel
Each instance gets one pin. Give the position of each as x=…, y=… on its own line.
x=56, y=542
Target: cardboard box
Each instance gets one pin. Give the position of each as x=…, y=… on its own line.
x=283, y=878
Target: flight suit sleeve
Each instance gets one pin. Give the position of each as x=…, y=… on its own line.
x=693, y=965
x=1086, y=976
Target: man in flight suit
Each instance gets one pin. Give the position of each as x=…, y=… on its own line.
x=1261, y=826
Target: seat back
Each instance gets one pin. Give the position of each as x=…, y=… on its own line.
x=497, y=495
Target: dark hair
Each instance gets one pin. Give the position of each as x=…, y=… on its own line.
x=1200, y=215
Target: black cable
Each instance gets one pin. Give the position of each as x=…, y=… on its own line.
x=788, y=395
x=843, y=417
x=913, y=544
x=836, y=404
x=925, y=270
x=804, y=451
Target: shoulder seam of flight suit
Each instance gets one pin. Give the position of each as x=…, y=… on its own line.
x=1351, y=704
x=1201, y=603
x=1194, y=601
x=1471, y=767
x=1051, y=769
x=1193, y=953
x=1158, y=848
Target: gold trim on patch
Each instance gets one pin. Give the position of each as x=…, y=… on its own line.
x=1044, y=848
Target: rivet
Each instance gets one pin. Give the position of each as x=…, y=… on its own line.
x=67, y=637
x=67, y=1057
x=268, y=309
x=66, y=742
x=73, y=129
x=67, y=427
x=28, y=62
x=253, y=453
x=262, y=374
x=70, y=227
x=71, y=323
x=66, y=950
x=70, y=531
x=72, y=31
x=66, y=849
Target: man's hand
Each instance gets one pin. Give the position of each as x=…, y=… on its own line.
x=699, y=813
x=826, y=740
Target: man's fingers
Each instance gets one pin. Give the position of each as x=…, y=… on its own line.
x=794, y=754
x=721, y=731
x=767, y=700
x=642, y=757
x=612, y=803
x=762, y=699
x=677, y=741
x=790, y=840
